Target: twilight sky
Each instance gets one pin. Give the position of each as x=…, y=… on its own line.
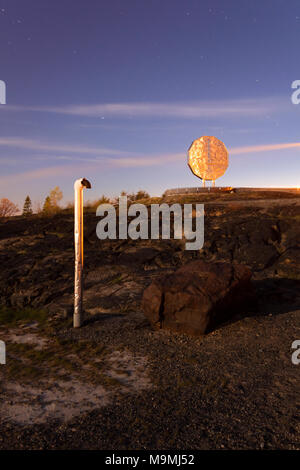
x=116, y=91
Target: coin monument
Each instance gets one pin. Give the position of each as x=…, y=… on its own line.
x=208, y=158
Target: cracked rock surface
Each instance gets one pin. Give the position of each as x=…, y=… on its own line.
x=116, y=383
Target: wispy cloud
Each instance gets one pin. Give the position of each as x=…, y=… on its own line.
x=162, y=159
x=147, y=160
x=264, y=148
x=71, y=156
x=184, y=110
x=29, y=144
x=30, y=175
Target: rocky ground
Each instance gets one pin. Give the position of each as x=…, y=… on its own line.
x=117, y=384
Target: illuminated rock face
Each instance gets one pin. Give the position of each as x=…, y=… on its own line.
x=208, y=158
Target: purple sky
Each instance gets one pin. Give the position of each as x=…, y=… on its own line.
x=116, y=91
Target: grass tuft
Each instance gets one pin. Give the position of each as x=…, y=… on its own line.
x=12, y=317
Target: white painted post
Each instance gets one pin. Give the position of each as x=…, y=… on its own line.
x=78, y=239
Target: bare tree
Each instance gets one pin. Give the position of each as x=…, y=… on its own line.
x=7, y=208
x=141, y=194
x=37, y=207
x=55, y=196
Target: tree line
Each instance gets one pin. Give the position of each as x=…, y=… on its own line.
x=51, y=203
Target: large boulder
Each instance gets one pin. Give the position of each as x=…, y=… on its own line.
x=198, y=296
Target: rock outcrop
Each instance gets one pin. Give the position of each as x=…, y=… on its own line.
x=198, y=296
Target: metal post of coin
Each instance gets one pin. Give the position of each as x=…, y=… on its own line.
x=79, y=185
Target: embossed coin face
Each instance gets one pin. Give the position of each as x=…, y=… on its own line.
x=208, y=158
